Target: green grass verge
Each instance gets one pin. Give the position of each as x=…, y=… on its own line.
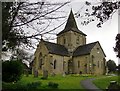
x=104, y=81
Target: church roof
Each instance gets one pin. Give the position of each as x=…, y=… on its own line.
x=71, y=25
x=84, y=49
x=63, y=51
x=56, y=48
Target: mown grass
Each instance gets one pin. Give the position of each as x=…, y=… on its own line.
x=104, y=81
x=67, y=82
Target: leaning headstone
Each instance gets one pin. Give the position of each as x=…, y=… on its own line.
x=63, y=74
x=45, y=74
x=27, y=74
x=35, y=73
x=52, y=74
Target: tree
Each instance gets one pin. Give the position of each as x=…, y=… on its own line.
x=18, y=17
x=118, y=67
x=11, y=71
x=117, y=47
x=111, y=66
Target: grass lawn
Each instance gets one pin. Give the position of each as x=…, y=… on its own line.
x=103, y=82
x=68, y=82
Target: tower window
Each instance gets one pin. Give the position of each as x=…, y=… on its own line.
x=64, y=40
x=77, y=40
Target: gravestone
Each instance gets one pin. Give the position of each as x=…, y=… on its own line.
x=45, y=74
x=64, y=74
x=35, y=73
x=53, y=74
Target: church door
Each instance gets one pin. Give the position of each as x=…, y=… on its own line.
x=70, y=67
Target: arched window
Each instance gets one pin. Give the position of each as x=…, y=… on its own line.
x=40, y=61
x=92, y=58
x=64, y=40
x=64, y=63
x=77, y=40
x=54, y=64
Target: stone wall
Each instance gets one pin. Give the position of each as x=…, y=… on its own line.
x=71, y=40
x=98, y=59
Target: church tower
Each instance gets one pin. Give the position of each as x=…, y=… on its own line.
x=71, y=37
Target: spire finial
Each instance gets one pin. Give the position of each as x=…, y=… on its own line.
x=41, y=37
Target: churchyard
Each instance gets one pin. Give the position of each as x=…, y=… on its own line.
x=58, y=82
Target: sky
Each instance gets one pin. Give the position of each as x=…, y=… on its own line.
x=105, y=35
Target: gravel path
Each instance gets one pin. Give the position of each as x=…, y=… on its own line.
x=89, y=86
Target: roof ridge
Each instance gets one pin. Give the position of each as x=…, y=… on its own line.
x=54, y=43
x=56, y=48
x=84, y=49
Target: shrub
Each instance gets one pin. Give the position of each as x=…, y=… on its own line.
x=53, y=85
x=11, y=71
x=33, y=85
x=19, y=86
x=43, y=78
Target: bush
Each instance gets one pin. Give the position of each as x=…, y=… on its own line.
x=53, y=85
x=19, y=86
x=33, y=85
x=11, y=71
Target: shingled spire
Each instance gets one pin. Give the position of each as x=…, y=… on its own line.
x=71, y=25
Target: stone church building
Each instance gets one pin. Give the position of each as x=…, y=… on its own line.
x=71, y=54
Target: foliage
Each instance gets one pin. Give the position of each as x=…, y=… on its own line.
x=18, y=86
x=117, y=47
x=102, y=10
x=53, y=85
x=34, y=85
x=111, y=66
x=19, y=17
x=11, y=36
x=11, y=71
x=118, y=67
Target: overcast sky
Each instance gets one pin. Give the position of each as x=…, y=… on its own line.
x=105, y=35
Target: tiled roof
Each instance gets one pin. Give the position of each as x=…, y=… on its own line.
x=56, y=48
x=84, y=49
x=62, y=50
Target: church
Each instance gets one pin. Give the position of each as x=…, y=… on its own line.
x=71, y=54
